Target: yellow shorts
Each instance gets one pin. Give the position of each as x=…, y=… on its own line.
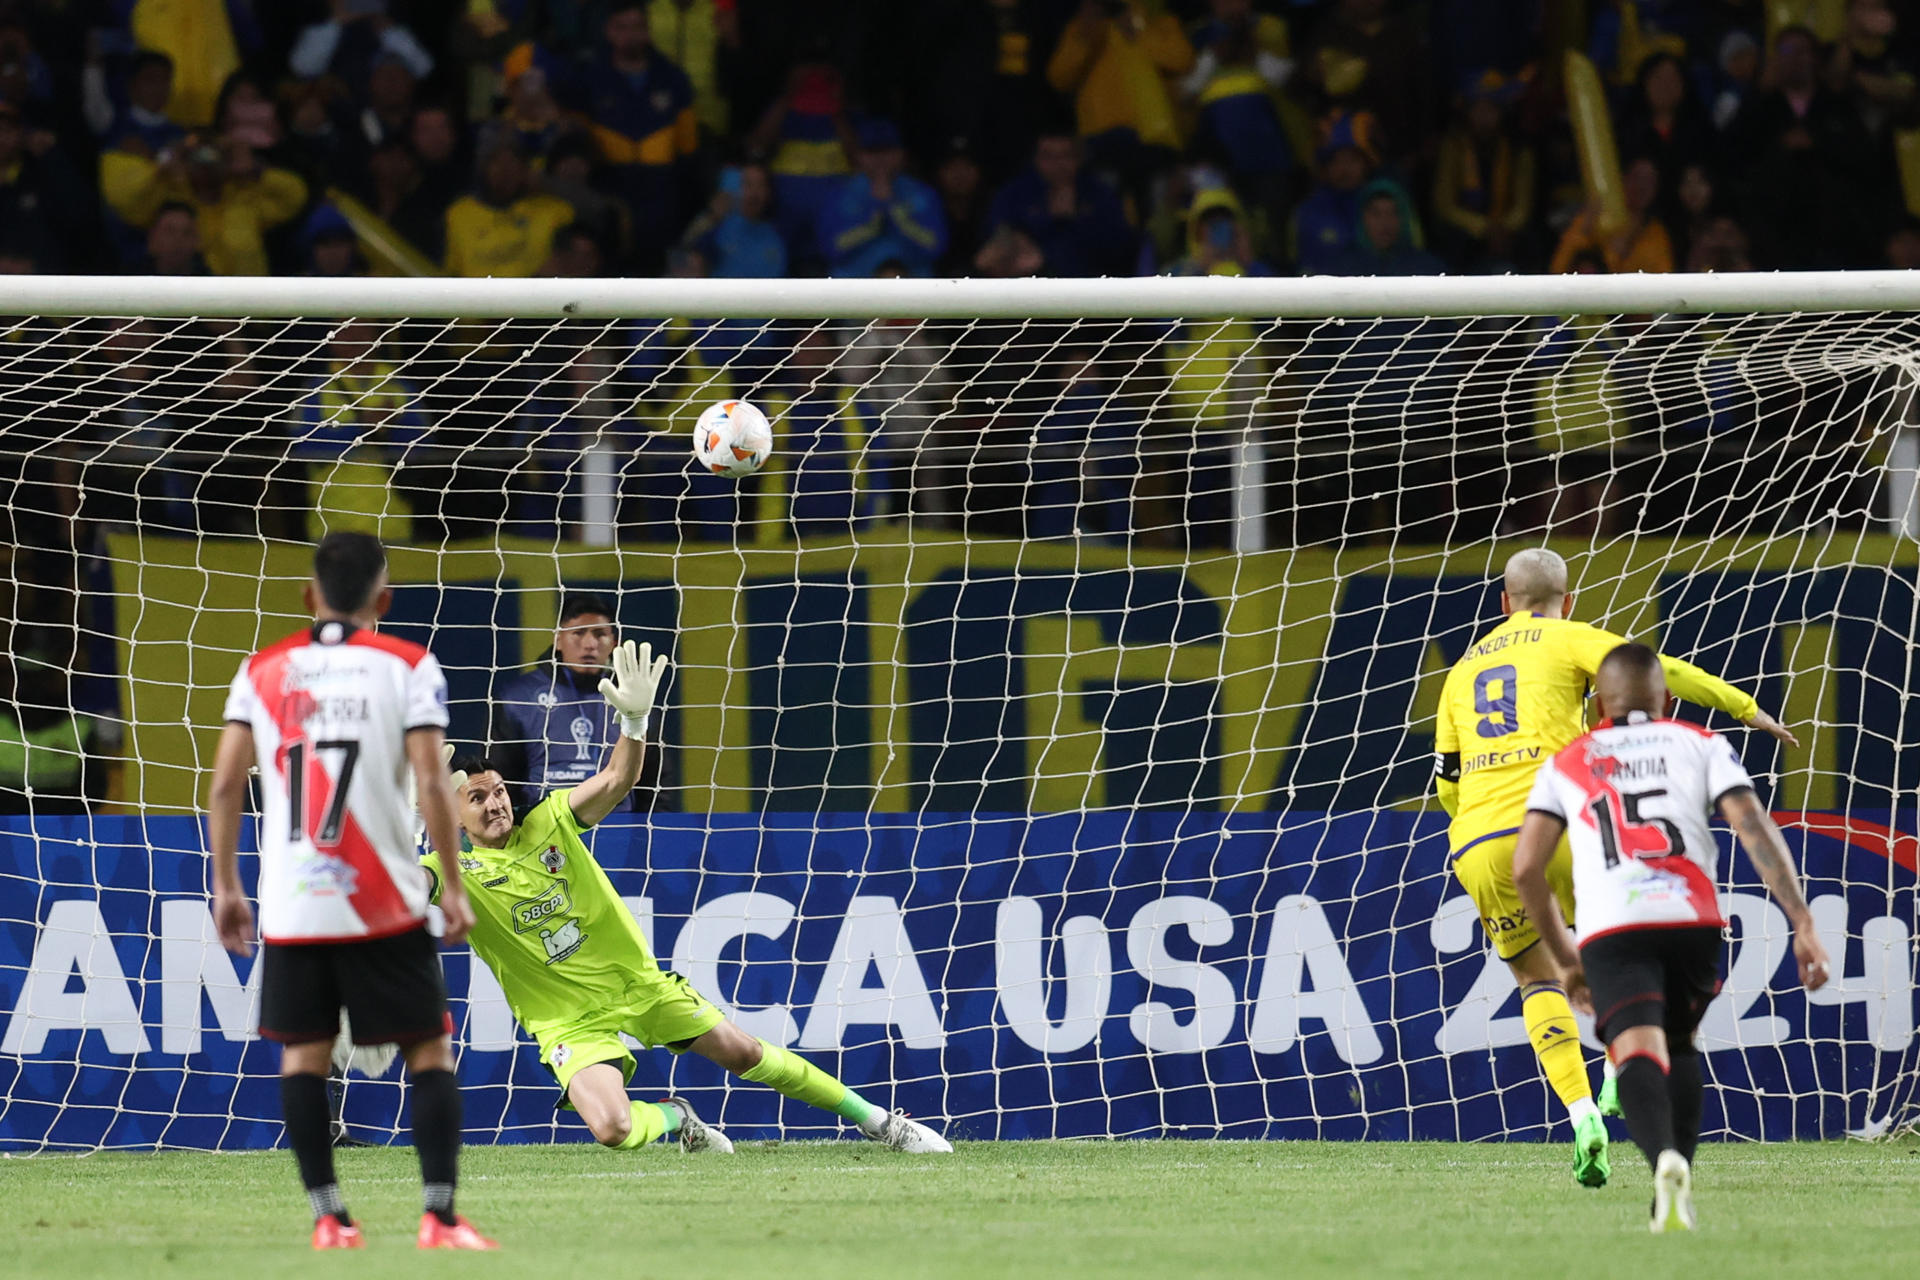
x=663, y=1012
x=1485, y=870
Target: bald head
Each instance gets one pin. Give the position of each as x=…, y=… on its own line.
x=1630, y=678
x=1536, y=581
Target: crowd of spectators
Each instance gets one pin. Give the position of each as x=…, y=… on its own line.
x=776, y=138
x=792, y=138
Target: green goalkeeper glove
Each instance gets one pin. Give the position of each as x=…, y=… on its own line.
x=636, y=677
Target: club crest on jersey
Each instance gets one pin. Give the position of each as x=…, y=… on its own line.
x=546, y=700
x=553, y=859
x=560, y=1055
x=324, y=877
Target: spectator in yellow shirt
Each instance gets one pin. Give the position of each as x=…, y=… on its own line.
x=506, y=227
x=236, y=200
x=206, y=39
x=1117, y=61
x=1641, y=245
x=1483, y=185
x=698, y=35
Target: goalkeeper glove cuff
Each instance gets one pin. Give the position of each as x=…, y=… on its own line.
x=634, y=727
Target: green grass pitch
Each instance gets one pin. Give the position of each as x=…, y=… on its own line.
x=1056, y=1209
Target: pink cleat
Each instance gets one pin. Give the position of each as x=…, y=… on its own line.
x=435, y=1234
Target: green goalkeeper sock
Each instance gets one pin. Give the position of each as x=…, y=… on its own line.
x=792, y=1075
x=651, y=1120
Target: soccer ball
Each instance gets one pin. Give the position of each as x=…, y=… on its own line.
x=732, y=439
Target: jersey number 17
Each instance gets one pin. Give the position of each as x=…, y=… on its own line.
x=333, y=820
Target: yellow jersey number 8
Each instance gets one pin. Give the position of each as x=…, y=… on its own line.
x=1496, y=693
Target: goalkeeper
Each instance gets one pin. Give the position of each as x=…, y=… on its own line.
x=1511, y=702
x=578, y=972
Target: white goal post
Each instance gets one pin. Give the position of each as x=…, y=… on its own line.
x=1048, y=743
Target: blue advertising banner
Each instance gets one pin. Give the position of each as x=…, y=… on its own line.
x=1282, y=975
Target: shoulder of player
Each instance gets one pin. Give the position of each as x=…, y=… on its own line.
x=284, y=645
x=406, y=650
x=546, y=817
x=1573, y=629
x=1704, y=742
x=1470, y=654
x=1574, y=753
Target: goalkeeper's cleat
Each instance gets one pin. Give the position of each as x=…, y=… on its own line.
x=695, y=1134
x=904, y=1134
x=1590, y=1168
x=331, y=1233
x=435, y=1234
x=1609, y=1099
x=1672, y=1194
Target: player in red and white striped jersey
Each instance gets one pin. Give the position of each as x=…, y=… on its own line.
x=335, y=716
x=1632, y=797
x=330, y=708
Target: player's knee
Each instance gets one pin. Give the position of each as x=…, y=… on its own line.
x=429, y=1055
x=1648, y=1041
x=747, y=1051
x=610, y=1128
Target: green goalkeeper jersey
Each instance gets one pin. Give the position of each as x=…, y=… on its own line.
x=548, y=923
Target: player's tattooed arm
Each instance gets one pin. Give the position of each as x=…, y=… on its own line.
x=1767, y=851
x=1774, y=861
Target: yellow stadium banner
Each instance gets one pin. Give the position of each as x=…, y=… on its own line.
x=945, y=675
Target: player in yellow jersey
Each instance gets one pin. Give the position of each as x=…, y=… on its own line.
x=1515, y=698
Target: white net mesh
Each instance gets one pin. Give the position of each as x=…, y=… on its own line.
x=1048, y=743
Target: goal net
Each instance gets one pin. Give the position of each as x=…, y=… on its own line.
x=1048, y=743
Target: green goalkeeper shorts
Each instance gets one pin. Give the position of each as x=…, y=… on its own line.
x=661, y=1012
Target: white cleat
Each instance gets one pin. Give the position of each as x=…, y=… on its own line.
x=1672, y=1194
x=903, y=1134
x=696, y=1135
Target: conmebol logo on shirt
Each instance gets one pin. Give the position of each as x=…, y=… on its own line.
x=322, y=876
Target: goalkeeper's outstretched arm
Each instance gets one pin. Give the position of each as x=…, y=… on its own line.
x=636, y=677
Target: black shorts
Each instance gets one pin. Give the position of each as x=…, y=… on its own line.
x=1653, y=978
x=392, y=989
